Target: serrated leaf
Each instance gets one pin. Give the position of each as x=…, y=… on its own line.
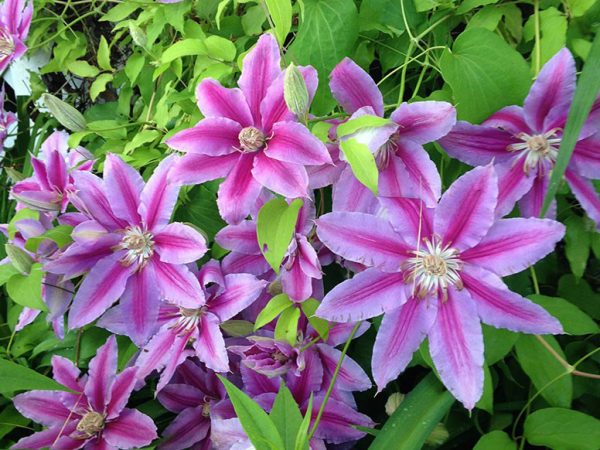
x=362, y=163
x=276, y=306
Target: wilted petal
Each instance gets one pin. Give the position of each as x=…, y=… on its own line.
x=196, y=169
x=238, y=193
x=287, y=179
x=43, y=407
x=210, y=346
x=509, y=118
x=131, y=430
x=587, y=195
x=363, y=238
x=241, y=289
x=120, y=391
x=189, y=427
x=123, y=188
x=354, y=88
x=178, y=285
x=213, y=136
x=239, y=238
x=367, y=294
x=513, y=245
x=216, y=101
x=456, y=346
x=466, y=211
x=501, y=308
x=159, y=196
x=102, y=371
x=423, y=122
x=400, y=335
x=292, y=142
x=179, y=244
x=513, y=184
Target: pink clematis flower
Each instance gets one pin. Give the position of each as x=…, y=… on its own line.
x=7, y=118
x=225, y=296
x=130, y=249
x=51, y=188
x=94, y=416
x=249, y=136
x=523, y=142
x=15, y=19
x=437, y=272
x=405, y=169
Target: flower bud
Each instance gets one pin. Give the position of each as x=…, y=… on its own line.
x=393, y=402
x=295, y=92
x=438, y=436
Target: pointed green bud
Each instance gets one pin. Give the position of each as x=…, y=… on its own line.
x=295, y=92
x=19, y=258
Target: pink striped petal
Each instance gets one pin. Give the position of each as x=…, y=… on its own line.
x=466, y=211
x=326, y=174
x=120, y=391
x=512, y=245
x=38, y=200
x=349, y=194
x=586, y=157
x=102, y=372
x=241, y=263
x=240, y=238
x=296, y=283
x=241, y=290
x=409, y=217
x=131, y=430
x=513, y=184
x=338, y=421
x=101, y=288
x=189, y=427
x=159, y=196
x=179, y=244
x=400, y=335
x=354, y=88
x=309, y=379
x=197, y=169
x=91, y=199
x=587, y=195
x=292, y=142
x=78, y=259
x=548, y=101
x=284, y=178
x=368, y=294
x=509, y=118
x=210, y=346
x=216, y=101
x=309, y=260
x=238, y=193
x=178, y=285
x=501, y=308
x=155, y=353
x=57, y=171
x=531, y=203
x=211, y=273
x=177, y=397
x=456, y=346
x=351, y=376
x=213, y=136
x=40, y=175
x=46, y=438
x=123, y=186
x=66, y=373
x=423, y=122
x=43, y=407
x=261, y=67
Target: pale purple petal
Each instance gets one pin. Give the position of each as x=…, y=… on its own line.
x=586, y=157
x=210, y=346
x=309, y=379
x=179, y=244
x=26, y=317
x=39, y=200
x=57, y=171
x=337, y=420
x=159, y=196
x=423, y=122
x=216, y=101
x=120, y=391
x=292, y=142
x=188, y=428
x=512, y=245
x=240, y=238
x=309, y=260
x=177, y=397
x=466, y=211
x=89, y=232
x=238, y=193
x=211, y=273
x=513, y=184
x=287, y=179
x=213, y=136
x=43, y=407
x=400, y=335
x=241, y=263
x=156, y=352
x=102, y=372
x=354, y=88
x=132, y=429
x=123, y=186
x=326, y=174
x=368, y=294
x=45, y=438
x=178, y=285
x=66, y=373
x=501, y=308
x=456, y=346
x=296, y=283
x=92, y=198
x=509, y=118
x=196, y=169
x=241, y=289
x=78, y=259
x=587, y=195
x=349, y=194
x=531, y=203
x=351, y=376
x=409, y=217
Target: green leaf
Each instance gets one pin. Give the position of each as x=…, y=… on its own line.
x=6, y=272
x=259, y=427
x=302, y=436
x=220, y=48
x=186, y=47
x=237, y=328
x=287, y=326
x=26, y=290
x=553, y=31
x=281, y=13
x=10, y=419
x=134, y=66
x=286, y=416
x=562, y=429
x=542, y=368
x=366, y=121
x=61, y=235
x=415, y=418
x=387, y=16
x=121, y=11
x=583, y=99
x=573, y=320
x=476, y=70
x=498, y=342
x=327, y=34
x=103, y=55
x=99, y=85
x=275, y=227
x=321, y=326
x=276, y=306
x=468, y=5
x=19, y=258
x=66, y=115
x=486, y=402
x=577, y=244
x=14, y=377
x=495, y=440
x=200, y=209
x=83, y=69
x=578, y=8
x=362, y=163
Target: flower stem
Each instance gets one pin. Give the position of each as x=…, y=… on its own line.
x=537, y=47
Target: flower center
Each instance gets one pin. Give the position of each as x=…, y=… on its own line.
x=7, y=44
x=188, y=320
x=434, y=268
x=384, y=154
x=251, y=139
x=206, y=409
x=91, y=424
x=539, y=150
x=139, y=245
x=279, y=357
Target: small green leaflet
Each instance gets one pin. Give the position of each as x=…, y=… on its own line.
x=26, y=290
x=286, y=416
x=362, y=163
x=14, y=377
x=66, y=114
x=275, y=227
x=276, y=306
x=287, y=325
x=321, y=326
x=281, y=13
x=60, y=234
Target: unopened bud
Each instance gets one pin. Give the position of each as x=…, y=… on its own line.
x=295, y=92
x=275, y=288
x=19, y=258
x=438, y=436
x=393, y=402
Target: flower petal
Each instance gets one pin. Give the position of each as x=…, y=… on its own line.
x=466, y=211
x=351, y=195
x=586, y=157
x=179, y=244
x=178, y=285
x=587, y=195
x=216, y=101
x=400, y=335
x=78, y=259
x=213, y=136
x=43, y=407
x=66, y=373
x=210, y=346
x=57, y=171
x=131, y=430
x=156, y=352
x=512, y=245
x=501, y=308
x=123, y=186
x=363, y=238
x=177, y=397
x=189, y=427
x=241, y=263
x=239, y=238
x=197, y=169
x=102, y=372
x=46, y=438
x=367, y=294
x=292, y=142
x=159, y=196
x=338, y=421
x=509, y=118
x=296, y=283
x=284, y=178
x=91, y=199
x=120, y=391
x=531, y=203
x=351, y=377
x=241, y=290
x=513, y=184
x=354, y=88
x=238, y=193
x=409, y=217
x=456, y=346
x=423, y=122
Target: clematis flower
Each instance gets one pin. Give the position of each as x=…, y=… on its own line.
x=51, y=188
x=94, y=416
x=300, y=265
x=405, y=169
x=129, y=247
x=7, y=118
x=15, y=19
x=199, y=399
x=249, y=136
x=523, y=142
x=225, y=296
x=436, y=272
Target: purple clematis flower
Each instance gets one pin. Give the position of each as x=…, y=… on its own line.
x=437, y=272
x=523, y=142
x=130, y=249
x=405, y=169
x=249, y=136
x=301, y=263
x=7, y=118
x=15, y=19
x=225, y=296
x=51, y=188
x=94, y=416
x=198, y=398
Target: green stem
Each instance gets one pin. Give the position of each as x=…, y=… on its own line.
x=537, y=47
x=409, y=51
